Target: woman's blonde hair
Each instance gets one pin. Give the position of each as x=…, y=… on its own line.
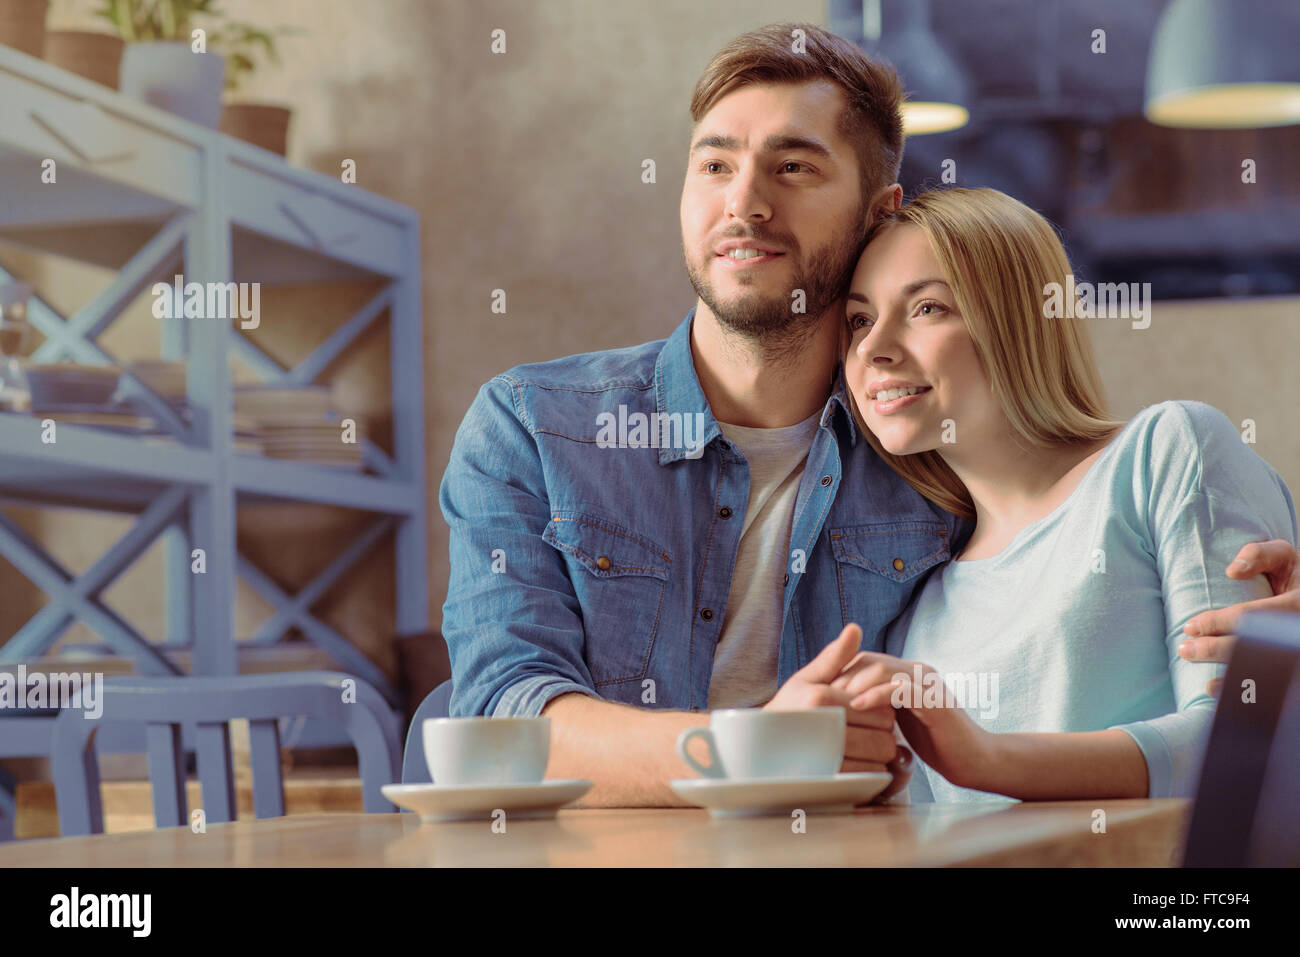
x=999, y=257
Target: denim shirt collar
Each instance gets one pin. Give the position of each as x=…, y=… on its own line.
x=678, y=390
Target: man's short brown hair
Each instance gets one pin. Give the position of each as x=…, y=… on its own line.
x=872, y=120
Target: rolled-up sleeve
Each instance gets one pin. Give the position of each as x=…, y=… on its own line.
x=511, y=621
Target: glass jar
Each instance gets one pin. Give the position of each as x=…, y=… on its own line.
x=14, y=394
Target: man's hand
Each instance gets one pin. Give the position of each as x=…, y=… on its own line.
x=869, y=735
x=942, y=733
x=1212, y=631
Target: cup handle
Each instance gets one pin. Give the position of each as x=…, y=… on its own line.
x=712, y=770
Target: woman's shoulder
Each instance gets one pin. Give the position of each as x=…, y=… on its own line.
x=1182, y=434
x=1183, y=446
x=1182, y=421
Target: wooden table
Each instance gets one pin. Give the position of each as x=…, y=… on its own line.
x=1138, y=833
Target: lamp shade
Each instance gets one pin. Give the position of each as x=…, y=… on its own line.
x=1225, y=64
x=938, y=95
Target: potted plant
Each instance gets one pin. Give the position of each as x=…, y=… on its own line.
x=96, y=56
x=164, y=64
x=262, y=124
x=22, y=25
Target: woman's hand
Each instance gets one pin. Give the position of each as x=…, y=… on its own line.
x=942, y=733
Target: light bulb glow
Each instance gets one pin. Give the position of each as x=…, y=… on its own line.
x=1228, y=106
x=923, y=117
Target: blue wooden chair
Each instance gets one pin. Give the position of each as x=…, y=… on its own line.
x=8, y=805
x=437, y=704
x=163, y=704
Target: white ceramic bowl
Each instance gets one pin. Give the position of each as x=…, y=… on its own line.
x=70, y=383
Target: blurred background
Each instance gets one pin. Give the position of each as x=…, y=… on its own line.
x=525, y=170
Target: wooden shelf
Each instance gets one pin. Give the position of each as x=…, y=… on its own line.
x=147, y=194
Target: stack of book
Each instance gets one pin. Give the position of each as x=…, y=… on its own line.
x=297, y=424
x=75, y=394
x=294, y=423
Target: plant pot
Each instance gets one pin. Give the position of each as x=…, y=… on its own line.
x=96, y=56
x=173, y=77
x=257, y=123
x=22, y=25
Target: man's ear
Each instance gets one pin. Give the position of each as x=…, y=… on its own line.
x=888, y=200
x=884, y=202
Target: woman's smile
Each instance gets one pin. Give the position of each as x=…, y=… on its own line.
x=890, y=395
x=889, y=406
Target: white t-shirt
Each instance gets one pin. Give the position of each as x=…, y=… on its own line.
x=745, y=660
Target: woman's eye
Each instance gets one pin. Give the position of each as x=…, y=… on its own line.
x=855, y=325
x=707, y=165
x=931, y=304
x=792, y=163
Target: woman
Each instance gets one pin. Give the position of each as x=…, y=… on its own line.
x=1056, y=627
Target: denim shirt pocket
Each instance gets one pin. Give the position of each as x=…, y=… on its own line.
x=619, y=578
x=867, y=556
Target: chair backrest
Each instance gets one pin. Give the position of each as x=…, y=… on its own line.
x=436, y=704
x=1244, y=813
x=163, y=704
x=8, y=805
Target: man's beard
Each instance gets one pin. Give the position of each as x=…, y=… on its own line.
x=768, y=319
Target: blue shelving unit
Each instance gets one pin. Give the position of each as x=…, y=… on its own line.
x=150, y=195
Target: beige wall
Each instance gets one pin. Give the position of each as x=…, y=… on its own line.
x=1240, y=356
x=526, y=171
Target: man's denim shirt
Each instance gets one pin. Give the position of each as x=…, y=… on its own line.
x=581, y=567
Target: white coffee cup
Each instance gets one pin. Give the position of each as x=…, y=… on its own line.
x=483, y=751
x=753, y=743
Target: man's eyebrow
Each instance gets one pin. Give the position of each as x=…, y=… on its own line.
x=910, y=289
x=776, y=143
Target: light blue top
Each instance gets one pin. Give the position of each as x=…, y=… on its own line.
x=1075, y=625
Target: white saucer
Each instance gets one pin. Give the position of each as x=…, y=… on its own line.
x=743, y=797
x=476, y=802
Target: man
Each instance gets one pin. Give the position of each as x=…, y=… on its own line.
x=643, y=534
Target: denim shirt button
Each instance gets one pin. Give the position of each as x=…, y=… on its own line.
x=826, y=481
x=724, y=512
x=785, y=579
x=602, y=563
x=706, y=614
